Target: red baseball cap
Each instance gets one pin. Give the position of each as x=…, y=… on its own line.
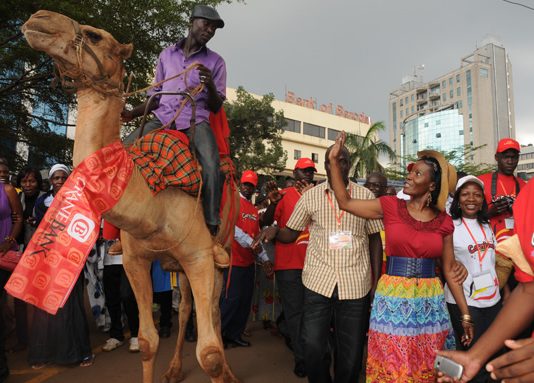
x=249, y=176
x=305, y=163
x=508, y=143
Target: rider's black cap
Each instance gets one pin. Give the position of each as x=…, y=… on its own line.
x=207, y=12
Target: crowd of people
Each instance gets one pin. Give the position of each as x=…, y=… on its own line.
x=360, y=280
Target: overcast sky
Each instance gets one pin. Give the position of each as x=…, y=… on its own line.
x=355, y=52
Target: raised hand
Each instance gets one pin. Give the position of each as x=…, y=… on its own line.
x=271, y=188
x=336, y=148
x=303, y=186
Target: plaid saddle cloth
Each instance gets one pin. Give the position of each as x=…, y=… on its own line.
x=164, y=159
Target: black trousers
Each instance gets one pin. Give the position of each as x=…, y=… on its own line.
x=164, y=299
x=483, y=318
x=4, y=370
x=349, y=320
x=207, y=153
x=291, y=292
x=119, y=292
x=235, y=306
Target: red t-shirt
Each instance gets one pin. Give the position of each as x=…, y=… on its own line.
x=506, y=185
x=407, y=237
x=524, y=227
x=248, y=221
x=289, y=256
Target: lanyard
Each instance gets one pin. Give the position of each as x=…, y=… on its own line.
x=338, y=217
x=503, y=188
x=480, y=256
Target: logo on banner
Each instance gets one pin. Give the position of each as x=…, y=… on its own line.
x=81, y=227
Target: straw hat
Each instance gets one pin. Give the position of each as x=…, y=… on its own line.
x=448, y=176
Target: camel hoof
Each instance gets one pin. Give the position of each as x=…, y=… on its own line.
x=173, y=377
x=212, y=361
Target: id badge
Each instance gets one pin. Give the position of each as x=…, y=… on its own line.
x=483, y=280
x=339, y=240
x=509, y=223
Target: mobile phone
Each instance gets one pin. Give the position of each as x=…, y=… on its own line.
x=448, y=367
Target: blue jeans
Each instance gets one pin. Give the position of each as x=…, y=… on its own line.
x=348, y=318
x=207, y=153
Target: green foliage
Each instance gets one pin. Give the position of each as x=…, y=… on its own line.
x=256, y=138
x=366, y=150
x=25, y=74
x=456, y=157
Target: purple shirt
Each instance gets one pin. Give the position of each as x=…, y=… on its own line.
x=173, y=61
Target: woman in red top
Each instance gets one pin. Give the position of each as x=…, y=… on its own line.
x=409, y=318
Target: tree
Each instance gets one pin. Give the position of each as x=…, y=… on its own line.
x=366, y=150
x=32, y=112
x=459, y=157
x=256, y=133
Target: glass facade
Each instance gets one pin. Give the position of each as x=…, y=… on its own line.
x=442, y=131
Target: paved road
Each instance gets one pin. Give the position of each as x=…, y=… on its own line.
x=268, y=360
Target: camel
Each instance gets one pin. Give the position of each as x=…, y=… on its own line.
x=167, y=226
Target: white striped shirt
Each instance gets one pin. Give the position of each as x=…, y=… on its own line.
x=349, y=269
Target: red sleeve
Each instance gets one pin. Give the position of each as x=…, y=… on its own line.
x=389, y=205
x=447, y=226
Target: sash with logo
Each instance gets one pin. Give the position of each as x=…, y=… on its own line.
x=56, y=254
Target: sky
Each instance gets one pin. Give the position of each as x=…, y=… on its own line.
x=355, y=52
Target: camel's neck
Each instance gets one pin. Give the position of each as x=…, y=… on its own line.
x=98, y=123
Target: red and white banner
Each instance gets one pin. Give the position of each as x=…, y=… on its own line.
x=56, y=254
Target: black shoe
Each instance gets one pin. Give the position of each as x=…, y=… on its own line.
x=237, y=342
x=164, y=332
x=299, y=370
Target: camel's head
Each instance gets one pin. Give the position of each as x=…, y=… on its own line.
x=89, y=56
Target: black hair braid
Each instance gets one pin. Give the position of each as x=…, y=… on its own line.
x=436, y=177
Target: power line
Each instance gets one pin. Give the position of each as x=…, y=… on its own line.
x=521, y=5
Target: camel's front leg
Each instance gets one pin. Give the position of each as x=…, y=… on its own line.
x=200, y=271
x=174, y=374
x=138, y=272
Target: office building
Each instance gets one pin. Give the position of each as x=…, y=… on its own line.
x=525, y=167
x=312, y=128
x=471, y=105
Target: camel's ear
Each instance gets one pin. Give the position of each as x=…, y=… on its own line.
x=125, y=50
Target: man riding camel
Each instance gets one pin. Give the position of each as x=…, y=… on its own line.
x=211, y=72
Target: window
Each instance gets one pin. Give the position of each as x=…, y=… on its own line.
x=483, y=72
x=413, y=97
x=413, y=109
x=458, y=92
x=315, y=157
x=438, y=135
x=314, y=130
x=443, y=84
x=402, y=113
x=426, y=124
x=292, y=126
x=444, y=96
x=333, y=133
x=296, y=154
x=451, y=93
x=401, y=103
x=450, y=81
x=406, y=100
x=458, y=78
x=461, y=132
x=459, y=104
x=438, y=122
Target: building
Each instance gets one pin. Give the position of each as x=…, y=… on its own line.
x=525, y=167
x=312, y=128
x=471, y=105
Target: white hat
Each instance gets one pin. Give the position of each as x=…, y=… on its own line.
x=57, y=167
x=462, y=181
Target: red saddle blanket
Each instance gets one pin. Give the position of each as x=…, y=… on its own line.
x=164, y=159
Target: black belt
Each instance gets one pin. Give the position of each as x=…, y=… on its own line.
x=411, y=267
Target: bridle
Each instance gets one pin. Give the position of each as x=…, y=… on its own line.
x=76, y=78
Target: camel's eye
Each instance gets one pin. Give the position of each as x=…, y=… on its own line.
x=93, y=36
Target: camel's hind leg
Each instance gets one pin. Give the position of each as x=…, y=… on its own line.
x=228, y=375
x=174, y=373
x=138, y=272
